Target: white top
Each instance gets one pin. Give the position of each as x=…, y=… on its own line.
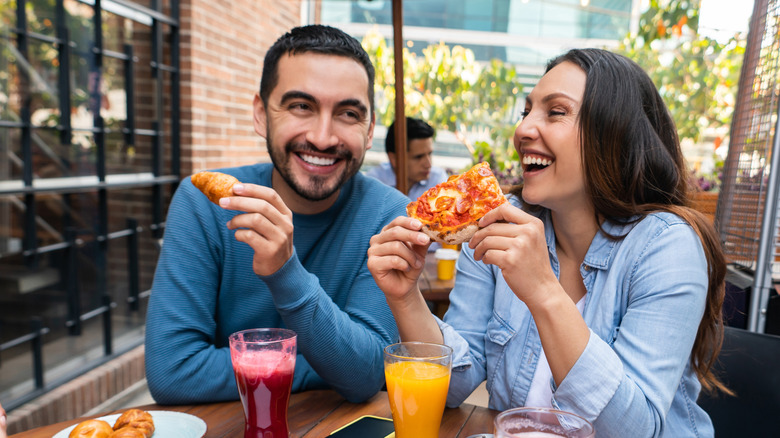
x=540, y=393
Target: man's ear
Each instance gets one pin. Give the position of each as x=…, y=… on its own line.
x=259, y=116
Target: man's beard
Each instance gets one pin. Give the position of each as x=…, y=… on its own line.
x=316, y=188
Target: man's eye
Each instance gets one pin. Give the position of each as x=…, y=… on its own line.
x=352, y=114
x=299, y=106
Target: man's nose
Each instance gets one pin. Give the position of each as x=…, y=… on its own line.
x=322, y=134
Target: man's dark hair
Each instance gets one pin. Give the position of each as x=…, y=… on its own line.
x=415, y=129
x=314, y=38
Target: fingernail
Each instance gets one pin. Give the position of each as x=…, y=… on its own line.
x=3, y=421
x=417, y=263
x=423, y=239
x=224, y=202
x=238, y=186
x=416, y=223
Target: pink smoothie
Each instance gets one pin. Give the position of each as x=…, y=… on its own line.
x=264, y=381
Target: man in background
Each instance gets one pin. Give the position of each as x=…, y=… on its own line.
x=420, y=171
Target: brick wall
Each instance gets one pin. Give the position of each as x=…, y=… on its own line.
x=77, y=397
x=222, y=49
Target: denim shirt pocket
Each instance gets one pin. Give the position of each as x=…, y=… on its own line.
x=497, y=335
x=500, y=328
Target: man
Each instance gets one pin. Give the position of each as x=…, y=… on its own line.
x=420, y=172
x=293, y=252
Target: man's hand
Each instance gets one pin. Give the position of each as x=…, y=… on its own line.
x=266, y=225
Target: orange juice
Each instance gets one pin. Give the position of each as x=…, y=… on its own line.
x=417, y=393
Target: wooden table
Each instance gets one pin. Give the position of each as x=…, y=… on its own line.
x=434, y=290
x=312, y=414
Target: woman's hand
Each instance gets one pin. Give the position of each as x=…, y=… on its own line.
x=396, y=256
x=514, y=241
x=396, y=259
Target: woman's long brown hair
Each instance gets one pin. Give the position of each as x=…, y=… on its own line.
x=634, y=166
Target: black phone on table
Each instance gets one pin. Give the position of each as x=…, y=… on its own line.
x=367, y=426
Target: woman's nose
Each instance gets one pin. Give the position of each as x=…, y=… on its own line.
x=526, y=130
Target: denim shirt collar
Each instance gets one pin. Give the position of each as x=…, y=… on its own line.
x=601, y=248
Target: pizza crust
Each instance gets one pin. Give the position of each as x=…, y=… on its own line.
x=452, y=237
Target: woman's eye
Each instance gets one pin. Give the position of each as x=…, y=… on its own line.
x=557, y=113
x=524, y=114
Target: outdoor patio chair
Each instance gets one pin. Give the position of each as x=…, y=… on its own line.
x=749, y=364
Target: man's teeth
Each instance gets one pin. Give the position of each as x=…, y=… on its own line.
x=537, y=161
x=317, y=161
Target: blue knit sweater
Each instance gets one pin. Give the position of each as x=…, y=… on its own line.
x=204, y=289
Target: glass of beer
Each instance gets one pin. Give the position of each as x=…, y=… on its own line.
x=264, y=362
x=418, y=378
x=541, y=423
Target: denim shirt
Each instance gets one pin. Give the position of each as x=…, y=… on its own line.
x=645, y=298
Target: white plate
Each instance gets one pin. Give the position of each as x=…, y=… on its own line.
x=167, y=424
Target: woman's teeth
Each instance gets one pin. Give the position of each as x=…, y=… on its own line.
x=317, y=161
x=538, y=161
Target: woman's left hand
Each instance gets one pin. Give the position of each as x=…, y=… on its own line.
x=514, y=241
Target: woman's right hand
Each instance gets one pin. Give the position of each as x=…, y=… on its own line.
x=396, y=257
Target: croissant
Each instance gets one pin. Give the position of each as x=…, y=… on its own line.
x=215, y=185
x=128, y=432
x=136, y=419
x=91, y=429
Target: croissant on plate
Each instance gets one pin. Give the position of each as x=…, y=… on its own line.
x=91, y=429
x=134, y=419
x=215, y=185
x=127, y=432
x=133, y=423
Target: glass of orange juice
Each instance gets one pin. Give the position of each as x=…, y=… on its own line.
x=418, y=378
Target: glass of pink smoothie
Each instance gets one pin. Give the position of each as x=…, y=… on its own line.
x=264, y=362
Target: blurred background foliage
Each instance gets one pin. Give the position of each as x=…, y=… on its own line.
x=696, y=75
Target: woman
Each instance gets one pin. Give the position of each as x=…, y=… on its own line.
x=595, y=290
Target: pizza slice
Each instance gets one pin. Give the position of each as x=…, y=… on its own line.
x=450, y=211
x=215, y=185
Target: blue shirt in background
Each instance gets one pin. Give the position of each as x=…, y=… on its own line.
x=384, y=172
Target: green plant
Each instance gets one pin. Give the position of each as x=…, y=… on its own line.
x=449, y=89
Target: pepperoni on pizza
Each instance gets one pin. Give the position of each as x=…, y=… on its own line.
x=450, y=211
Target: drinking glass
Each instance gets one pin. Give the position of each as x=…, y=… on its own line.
x=264, y=362
x=541, y=423
x=418, y=378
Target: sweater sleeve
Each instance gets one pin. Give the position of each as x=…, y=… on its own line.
x=343, y=345
x=343, y=342
x=183, y=363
